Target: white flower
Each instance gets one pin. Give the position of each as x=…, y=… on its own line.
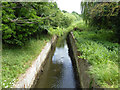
x=14, y=79
x=3, y=83
x=6, y=86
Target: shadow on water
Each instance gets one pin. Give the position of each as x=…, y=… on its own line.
x=58, y=70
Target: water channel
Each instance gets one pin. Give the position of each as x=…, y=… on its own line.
x=58, y=71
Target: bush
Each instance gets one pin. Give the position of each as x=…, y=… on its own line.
x=15, y=29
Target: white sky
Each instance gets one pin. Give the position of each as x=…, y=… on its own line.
x=69, y=5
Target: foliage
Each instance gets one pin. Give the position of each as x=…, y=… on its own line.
x=102, y=15
x=57, y=31
x=62, y=19
x=78, y=16
x=68, y=19
x=101, y=51
x=24, y=20
x=14, y=28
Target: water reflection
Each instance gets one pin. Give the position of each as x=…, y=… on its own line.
x=58, y=72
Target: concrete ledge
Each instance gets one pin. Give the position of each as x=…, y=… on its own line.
x=27, y=80
x=81, y=66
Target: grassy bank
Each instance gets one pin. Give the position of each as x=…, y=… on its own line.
x=15, y=60
x=100, y=48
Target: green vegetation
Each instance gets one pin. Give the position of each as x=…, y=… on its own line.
x=17, y=59
x=101, y=51
x=26, y=28
x=102, y=15
x=24, y=20
x=99, y=40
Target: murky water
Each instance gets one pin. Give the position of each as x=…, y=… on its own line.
x=58, y=71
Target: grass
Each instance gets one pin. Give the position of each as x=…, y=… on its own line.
x=15, y=60
x=100, y=48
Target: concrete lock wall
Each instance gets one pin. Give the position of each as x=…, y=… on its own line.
x=27, y=80
x=81, y=66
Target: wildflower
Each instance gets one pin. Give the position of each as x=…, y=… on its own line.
x=6, y=86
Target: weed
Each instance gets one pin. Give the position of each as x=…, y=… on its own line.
x=100, y=48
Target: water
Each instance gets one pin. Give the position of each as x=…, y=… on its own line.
x=58, y=71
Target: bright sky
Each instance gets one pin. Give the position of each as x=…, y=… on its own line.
x=69, y=5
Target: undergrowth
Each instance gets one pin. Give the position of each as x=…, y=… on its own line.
x=100, y=48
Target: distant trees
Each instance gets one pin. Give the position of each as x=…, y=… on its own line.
x=73, y=12
x=78, y=16
x=64, y=11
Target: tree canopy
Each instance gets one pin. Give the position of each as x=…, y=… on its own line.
x=24, y=20
x=102, y=14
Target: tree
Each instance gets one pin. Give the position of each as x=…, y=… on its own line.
x=102, y=15
x=22, y=20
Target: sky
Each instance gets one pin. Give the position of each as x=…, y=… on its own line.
x=69, y=5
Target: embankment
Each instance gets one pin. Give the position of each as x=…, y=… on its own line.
x=27, y=80
x=80, y=66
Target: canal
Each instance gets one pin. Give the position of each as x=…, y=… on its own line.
x=58, y=71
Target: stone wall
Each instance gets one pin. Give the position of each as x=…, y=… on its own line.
x=27, y=80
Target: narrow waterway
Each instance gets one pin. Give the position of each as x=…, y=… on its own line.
x=58, y=71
